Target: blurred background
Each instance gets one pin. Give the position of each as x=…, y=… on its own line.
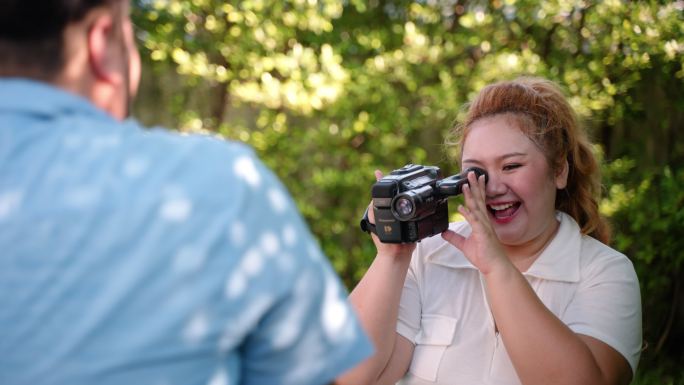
x=327, y=91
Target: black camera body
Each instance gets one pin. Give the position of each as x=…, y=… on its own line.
x=411, y=203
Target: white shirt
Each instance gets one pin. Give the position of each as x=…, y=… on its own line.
x=443, y=310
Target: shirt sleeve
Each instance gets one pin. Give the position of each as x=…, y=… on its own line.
x=607, y=306
x=309, y=336
x=306, y=332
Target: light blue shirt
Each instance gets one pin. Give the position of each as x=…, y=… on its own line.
x=133, y=256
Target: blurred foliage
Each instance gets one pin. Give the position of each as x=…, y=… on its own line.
x=327, y=91
x=648, y=216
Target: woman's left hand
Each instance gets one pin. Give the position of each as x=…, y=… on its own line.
x=482, y=246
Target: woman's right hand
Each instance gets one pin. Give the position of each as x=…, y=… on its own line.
x=376, y=301
x=388, y=249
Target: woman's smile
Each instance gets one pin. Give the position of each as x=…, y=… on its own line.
x=503, y=212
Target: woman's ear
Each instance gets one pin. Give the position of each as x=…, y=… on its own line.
x=561, y=178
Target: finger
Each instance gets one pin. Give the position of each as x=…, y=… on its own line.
x=476, y=189
x=469, y=198
x=475, y=221
x=477, y=194
x=482, y=185
x=371, y=213
x=467, y=214
x=453, y=238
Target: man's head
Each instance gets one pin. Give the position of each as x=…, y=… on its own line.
x=83, y=46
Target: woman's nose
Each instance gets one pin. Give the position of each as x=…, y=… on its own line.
x=495, y=185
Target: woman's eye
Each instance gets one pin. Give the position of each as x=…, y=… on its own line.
x=511, y=166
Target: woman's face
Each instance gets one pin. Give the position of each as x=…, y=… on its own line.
x=521, y=190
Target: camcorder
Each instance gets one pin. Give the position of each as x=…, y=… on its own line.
x=411, y=203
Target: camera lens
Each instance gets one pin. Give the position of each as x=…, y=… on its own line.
x=411, y=204
x=404, y=207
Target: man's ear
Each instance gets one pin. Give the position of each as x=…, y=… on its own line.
x=561, y=178
x=104, y=51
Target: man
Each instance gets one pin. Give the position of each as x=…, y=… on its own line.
x=131, y=256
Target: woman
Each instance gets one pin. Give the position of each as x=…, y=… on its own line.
x=525, y=290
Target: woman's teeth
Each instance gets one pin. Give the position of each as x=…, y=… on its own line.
x=501, y=207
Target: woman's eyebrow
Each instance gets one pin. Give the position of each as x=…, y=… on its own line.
x=502, y=157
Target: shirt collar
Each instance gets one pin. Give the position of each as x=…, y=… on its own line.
x=44, y=99
x=560, y=261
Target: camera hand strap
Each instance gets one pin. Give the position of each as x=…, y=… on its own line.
x=366, y=225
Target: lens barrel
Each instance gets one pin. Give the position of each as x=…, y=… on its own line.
x=409, y=205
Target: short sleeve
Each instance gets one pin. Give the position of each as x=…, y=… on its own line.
x=309, y=336
x=307, y=332
x=607, y=306
x=408, y=323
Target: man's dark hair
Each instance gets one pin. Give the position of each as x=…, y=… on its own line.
x=31, y=34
